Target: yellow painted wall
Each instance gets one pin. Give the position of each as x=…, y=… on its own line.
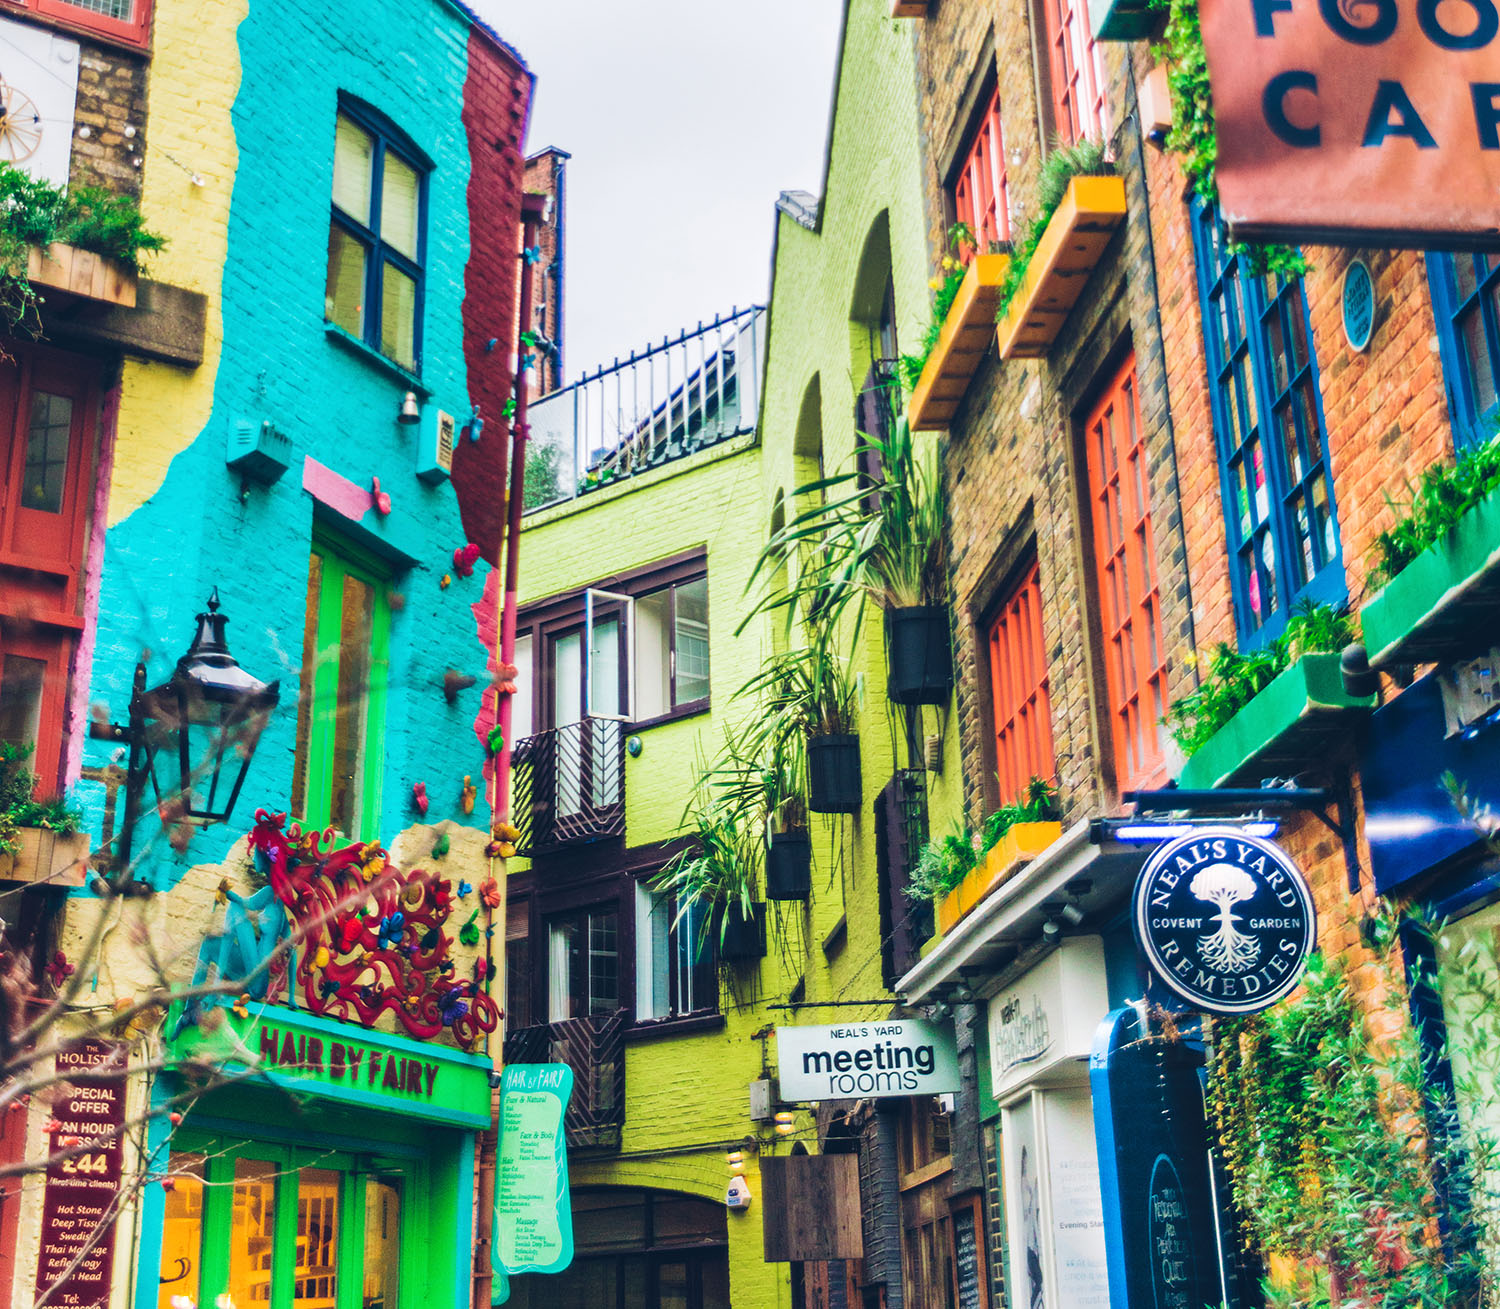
x=195, y=76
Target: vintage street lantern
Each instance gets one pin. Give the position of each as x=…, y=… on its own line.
x=193, y=736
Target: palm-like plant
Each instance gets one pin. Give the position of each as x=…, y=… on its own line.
x=716, y=869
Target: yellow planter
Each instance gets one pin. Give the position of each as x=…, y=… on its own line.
x=1018, y=847
x=47, y=856
x=961, y=346
x=1065, y=257
x=81, y=273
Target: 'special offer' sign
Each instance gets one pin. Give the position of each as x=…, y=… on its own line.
x=1225, y=920
x=896, y=1056
x=1357, y=121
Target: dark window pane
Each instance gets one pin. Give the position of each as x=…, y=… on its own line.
x=21, y=681
x=344, y=297
x=43, y=478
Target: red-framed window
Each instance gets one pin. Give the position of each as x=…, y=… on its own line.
x=1077, y=69
x=1130, y=603
x=981, y=197
x=128, y=21
x=48, y=449
x=1020, y=706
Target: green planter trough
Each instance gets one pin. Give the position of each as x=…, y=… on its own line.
x=1296, y=720
x=1444, y=604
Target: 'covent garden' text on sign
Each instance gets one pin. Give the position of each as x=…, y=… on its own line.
x=1225, y=920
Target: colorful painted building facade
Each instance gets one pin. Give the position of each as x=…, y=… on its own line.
x=293, y=419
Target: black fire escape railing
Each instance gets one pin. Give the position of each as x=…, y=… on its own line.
x=568, y=785
x=594, y=1048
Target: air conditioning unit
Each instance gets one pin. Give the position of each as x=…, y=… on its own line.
x=435, y=451
x=257, y=450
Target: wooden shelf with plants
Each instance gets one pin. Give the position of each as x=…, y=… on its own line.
x=82, y=273
x=1066, y=256
x=960, y=346
x=45, y=857
x=1012, y=852
x=1445, y=603
x=1299, y=717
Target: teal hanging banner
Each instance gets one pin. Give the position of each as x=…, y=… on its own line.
x=533, y=1211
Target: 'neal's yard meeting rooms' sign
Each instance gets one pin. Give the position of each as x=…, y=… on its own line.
x=896, y=1056
x=1375, y=119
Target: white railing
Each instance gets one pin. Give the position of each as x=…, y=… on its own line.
x=663, y=403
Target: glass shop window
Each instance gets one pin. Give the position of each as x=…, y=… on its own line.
x=583, y=965
x=341, y=709
x=674, y=967
x=303, y=1228
x=671, y=648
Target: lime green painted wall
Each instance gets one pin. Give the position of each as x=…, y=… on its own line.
x=687, y=1096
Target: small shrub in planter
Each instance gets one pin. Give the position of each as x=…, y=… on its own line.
x=741, y=937
x=918, y=657
x=833, y=776
x=789, y=866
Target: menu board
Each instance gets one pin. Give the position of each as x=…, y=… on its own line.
x=968, y=1267
x=86, y=1146
x=533, y=1213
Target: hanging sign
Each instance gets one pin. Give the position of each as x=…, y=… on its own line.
x=533, y=1211
x=1049, y=1015
x=867, y=1061
x=1373, y=122
x=1225, y=920
x=80, y=1194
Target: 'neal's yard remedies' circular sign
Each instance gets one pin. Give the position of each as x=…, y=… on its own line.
x=1225, y=920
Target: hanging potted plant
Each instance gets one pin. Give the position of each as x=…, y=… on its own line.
x=763, y=778
x=886, y=546
x=716, y=870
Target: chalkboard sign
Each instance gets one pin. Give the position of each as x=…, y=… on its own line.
x=968, y=1262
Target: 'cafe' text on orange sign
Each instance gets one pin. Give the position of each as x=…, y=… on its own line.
x=1357, y=121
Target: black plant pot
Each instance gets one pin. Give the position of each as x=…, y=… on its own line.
x=789, y=866
x=740, y=938
x=833, y=781
x=918, y=657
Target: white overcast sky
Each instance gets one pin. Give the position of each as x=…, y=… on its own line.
x=685, y=120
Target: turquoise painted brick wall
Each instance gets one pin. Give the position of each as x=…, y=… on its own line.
x=277, y=362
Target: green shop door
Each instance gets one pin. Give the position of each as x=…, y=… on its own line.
x=283, y=1227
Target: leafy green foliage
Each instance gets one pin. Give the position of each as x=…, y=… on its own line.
x=945, y=862
x=1235, y=679
x=945, y=286
x=1332, y=1133
x=717, y=866
x=1193, y=136
x=18, y=809
x=1084, y=159
x=33, y=212
x=856, y=542
x=1443, y=494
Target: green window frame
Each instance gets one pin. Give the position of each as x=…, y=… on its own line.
x=342, y=706
x=205, y=1279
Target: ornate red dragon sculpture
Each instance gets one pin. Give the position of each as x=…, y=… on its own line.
x=372, y=938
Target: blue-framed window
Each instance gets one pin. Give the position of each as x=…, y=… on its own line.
x=1279, y=512
x=377, y=235
x=1466, y=303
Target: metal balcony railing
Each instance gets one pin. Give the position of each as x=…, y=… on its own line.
x=669, y=401
x=569, y=785
x=594, y=1048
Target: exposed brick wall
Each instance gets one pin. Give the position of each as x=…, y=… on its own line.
x=111, y=108
x=497, y=97
x=546, y=174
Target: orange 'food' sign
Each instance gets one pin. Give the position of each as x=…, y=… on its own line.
x=1363, y=121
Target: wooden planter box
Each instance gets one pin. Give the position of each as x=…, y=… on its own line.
x=961, y=346
x=1446, y=602
x=81, y=273
x=1019, y=846
x=908, y=8
x=1065, y=258
x=46, y=856
x=1299, y=717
